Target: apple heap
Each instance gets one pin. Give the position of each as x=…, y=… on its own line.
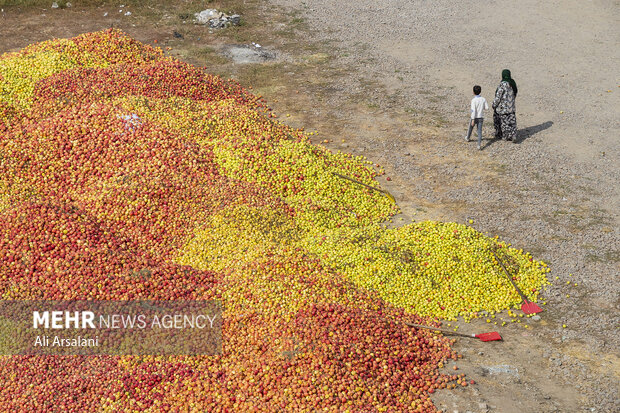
x=287, y=319
x=127, y=174
x=431, y=268
x=53, y=251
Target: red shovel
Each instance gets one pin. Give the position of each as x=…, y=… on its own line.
x=527, y=306
x=492, y=336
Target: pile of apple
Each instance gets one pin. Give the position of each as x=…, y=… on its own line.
x=127, y=174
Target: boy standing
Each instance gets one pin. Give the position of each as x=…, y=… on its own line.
x=478, y=105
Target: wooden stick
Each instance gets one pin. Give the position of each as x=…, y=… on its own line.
x=366, y=185
x=514, y=284
x=443, y=331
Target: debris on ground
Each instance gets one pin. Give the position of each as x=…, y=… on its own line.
x=61, y=5
x=504, y=368
x=216, y=19
x=248, y=53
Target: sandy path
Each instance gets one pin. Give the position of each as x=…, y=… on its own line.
x=564, y=56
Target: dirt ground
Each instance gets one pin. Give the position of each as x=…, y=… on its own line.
x=392, y=81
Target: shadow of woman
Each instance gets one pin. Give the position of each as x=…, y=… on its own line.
x=528, y=132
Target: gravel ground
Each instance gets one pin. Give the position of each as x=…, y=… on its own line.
x=554, y=193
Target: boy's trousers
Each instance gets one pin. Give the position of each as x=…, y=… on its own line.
x=477, y=121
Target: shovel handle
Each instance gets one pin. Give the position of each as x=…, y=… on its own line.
x=514, y=284
x=443, y=331
x=383, y=191
x=358, y=182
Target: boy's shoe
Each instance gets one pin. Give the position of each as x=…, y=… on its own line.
x=479, y=147
x=466, y=138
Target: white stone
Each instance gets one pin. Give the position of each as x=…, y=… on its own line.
x=204, y=16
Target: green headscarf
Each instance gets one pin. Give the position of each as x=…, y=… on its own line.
x=507, y=78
